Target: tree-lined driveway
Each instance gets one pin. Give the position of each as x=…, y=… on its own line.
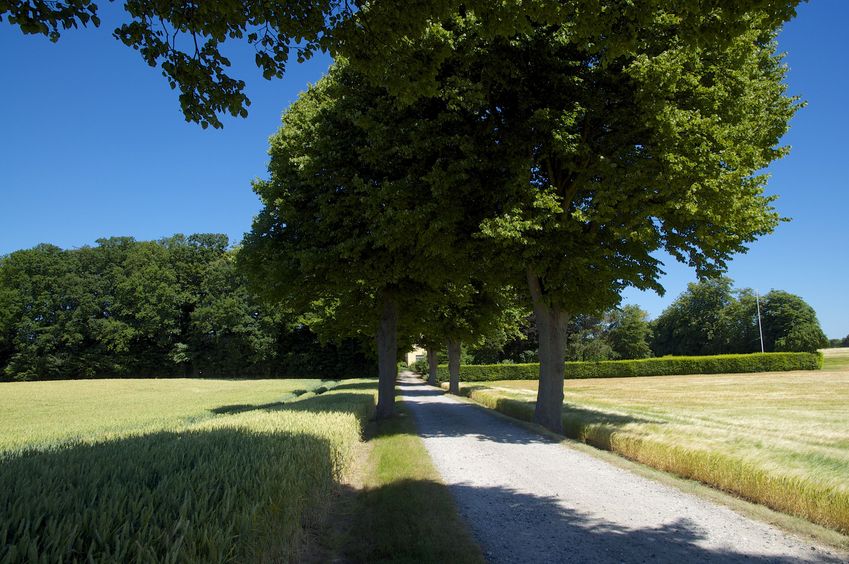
x=528, y=498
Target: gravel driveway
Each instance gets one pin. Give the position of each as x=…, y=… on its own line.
x=529, y=499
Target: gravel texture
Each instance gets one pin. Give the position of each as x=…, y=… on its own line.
x=528, y=498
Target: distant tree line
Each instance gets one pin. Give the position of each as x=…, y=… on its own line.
x=710, y=317
x=835, y=343
x=174, y=307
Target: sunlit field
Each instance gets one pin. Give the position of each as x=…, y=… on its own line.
x=836, y=359
x=781, y=439
x=171, y=470
x=33, y=413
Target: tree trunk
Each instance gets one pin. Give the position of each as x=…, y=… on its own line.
x=551, y=323
x=454, y=366
x=431, y=366
x=387, y=358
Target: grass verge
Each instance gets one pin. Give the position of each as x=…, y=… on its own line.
x=776, y=440
x=403, y=512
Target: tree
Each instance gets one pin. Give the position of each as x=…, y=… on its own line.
x=177, y=306
x=354, y=218
x=694, y=324
x=40, y=328
x=586, y=339
x=739, y=318
x=628, y=332
x=790, y=324
x=467, y=313
x=158, y=29
x=516, y=347
x=708, y=319
x=624, y=144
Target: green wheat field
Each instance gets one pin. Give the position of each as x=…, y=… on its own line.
x=171, y=470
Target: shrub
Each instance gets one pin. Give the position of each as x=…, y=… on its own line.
x=664, y=366
x=420, y=367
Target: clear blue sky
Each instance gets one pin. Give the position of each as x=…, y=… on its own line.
x=92, y=144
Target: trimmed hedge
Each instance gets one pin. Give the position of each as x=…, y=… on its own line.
x=664, y=366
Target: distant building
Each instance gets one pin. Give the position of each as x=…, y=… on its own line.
x=415, y=355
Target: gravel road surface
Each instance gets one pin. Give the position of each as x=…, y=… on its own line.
x=529, y=499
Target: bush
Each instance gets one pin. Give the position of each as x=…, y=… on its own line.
x=664, y=366
x=420, y=367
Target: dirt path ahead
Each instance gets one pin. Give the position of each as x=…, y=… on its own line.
x=529, y=499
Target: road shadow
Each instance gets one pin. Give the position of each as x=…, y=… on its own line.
x=587, y=425
x=590, y=426
x=441, y=415
x=513, y=526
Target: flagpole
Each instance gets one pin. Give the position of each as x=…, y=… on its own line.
x=760, y=329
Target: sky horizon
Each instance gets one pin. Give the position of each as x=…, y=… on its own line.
x=94, y=145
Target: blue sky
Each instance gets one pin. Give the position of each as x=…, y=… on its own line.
x=92, y=144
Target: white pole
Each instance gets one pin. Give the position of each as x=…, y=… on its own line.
x=760, y=329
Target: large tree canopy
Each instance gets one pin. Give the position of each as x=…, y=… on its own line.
x=628, y=133
x=578, y=148
x=574, y=137
x=185, y=38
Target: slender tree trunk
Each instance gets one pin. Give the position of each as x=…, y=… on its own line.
x=431, y=366
x=454, y=366
x=551, y=325
x=387, y=358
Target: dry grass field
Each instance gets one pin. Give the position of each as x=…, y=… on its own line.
x=780, y=439
x=835, y=359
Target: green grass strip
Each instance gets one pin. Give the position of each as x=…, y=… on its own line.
x=405, y=513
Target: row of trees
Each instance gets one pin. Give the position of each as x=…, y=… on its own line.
x=178, y=306
x=460, y=151
x=545, y=156
x=173, y=307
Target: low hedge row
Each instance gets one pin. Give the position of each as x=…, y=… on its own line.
x=664, y=366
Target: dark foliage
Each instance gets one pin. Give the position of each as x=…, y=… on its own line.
x=173, y=307
x=710, y=317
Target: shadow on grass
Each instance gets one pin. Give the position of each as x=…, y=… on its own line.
x=409, y=521
x=191, y=496
x=319, y=402
x=224, y=490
